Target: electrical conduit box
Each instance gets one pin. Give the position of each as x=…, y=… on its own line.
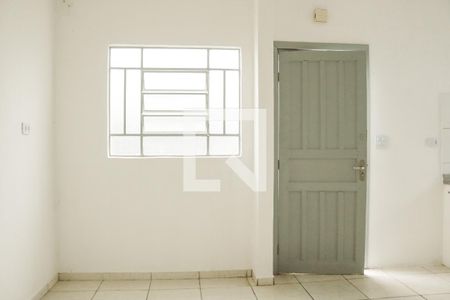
x=321, y=15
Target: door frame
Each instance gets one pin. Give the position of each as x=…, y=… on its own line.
x=282, y=45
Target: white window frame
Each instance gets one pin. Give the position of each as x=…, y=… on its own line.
x=143, y=70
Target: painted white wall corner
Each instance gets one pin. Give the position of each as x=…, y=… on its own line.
x=263, y=246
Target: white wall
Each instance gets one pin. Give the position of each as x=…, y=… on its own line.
x=264, y=208
x=409, y=68
x=132, y=215
x=27, y=210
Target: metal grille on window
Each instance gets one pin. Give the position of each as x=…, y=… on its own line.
x=174, y=101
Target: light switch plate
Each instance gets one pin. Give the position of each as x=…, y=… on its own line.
x=26, y=128
x=321, y=15
x=382, y=141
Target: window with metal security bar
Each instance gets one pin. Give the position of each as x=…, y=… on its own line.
x=174, y=102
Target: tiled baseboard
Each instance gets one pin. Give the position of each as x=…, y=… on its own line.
x=155, y=275
x=168, y=275
x=262, y=281
x=46, y=288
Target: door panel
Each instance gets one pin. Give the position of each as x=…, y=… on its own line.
x=322, y=137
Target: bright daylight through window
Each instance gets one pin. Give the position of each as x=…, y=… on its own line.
x=174, y=101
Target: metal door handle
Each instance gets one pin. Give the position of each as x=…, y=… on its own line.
x=359, y=168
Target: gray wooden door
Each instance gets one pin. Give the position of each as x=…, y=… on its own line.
x=323, y=154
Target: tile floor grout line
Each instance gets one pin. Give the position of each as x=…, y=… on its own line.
x=436, y=294
x=394, y=278
x=408, y=287
x=399, y=297
x=401, y=282
x=351, y=283
x=253, y=290
x=200, y=286
x=303, y=287
x=149, y=286
x=98, y=288
x=404, y=284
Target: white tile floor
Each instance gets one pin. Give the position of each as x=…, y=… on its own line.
x=418, y=283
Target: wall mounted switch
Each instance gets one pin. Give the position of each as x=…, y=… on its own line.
x=382, y=141
x=26, y=128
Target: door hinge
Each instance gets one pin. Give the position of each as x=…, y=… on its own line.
x=278, y=76
x=278, y=164
x=278, y=249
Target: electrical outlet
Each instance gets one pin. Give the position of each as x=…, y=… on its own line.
x=26, y=128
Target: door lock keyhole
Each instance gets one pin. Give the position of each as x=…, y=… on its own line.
x=361, y=167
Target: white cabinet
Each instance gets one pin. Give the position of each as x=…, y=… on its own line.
x=446, y=231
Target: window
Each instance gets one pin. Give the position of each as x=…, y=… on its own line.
x=174, y=101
